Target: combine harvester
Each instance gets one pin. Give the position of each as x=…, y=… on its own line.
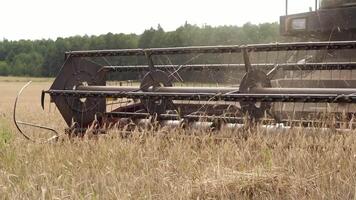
x=309, y=84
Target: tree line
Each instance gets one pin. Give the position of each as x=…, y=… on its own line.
x=45, y=57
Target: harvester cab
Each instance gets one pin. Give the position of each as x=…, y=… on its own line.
x=327, y=20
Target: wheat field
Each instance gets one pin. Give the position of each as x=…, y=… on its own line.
x=169, y=164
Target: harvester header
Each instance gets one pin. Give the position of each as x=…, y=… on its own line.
x=210, y=86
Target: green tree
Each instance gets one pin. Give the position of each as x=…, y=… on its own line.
x=45, y=57
x=4, y=68
x=27, y=64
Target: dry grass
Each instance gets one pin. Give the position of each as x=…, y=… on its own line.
x=171, y=164
x=23, y=79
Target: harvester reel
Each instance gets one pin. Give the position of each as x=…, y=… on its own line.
x=80, y=90
x=150, y=83
x=255, y=79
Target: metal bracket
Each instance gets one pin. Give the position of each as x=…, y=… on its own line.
x=247, y=61
x=151, y=65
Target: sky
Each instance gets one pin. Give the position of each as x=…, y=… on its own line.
x=43, y=19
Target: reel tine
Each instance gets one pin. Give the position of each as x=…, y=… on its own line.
x=273, y=72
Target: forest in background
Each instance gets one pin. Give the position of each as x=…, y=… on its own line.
x=43, y=58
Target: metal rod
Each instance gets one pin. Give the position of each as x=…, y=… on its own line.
x=16, y=122
x=338, y=91
x=247, y=61
x=216, y=49
x=212, y=90
x=174, y=117
x=196, y=67
x=14, y=112
x=222, y=90
x=218, y=67
x=108, y=88
x=39, y=126
x=235, y=97
x=208, y=118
